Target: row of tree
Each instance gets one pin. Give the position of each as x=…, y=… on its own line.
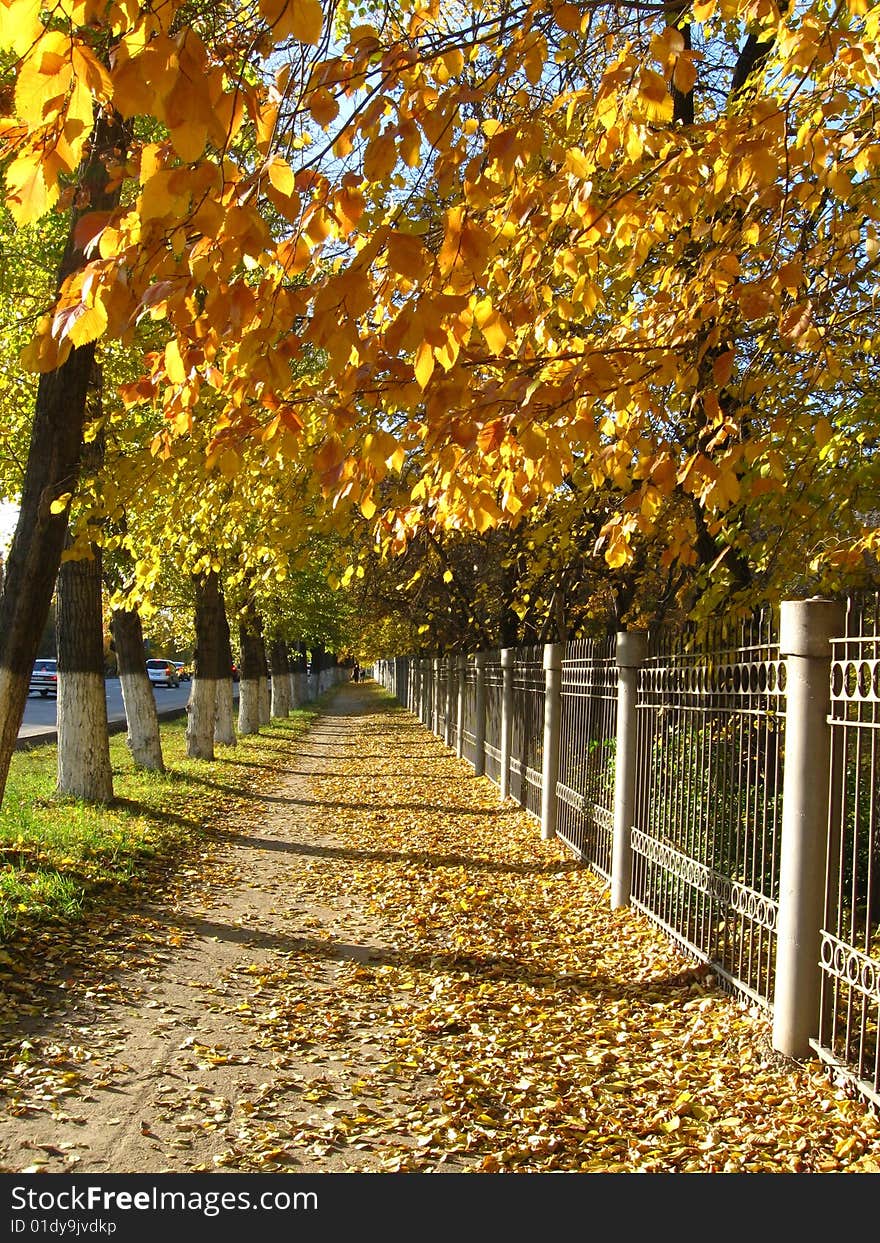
x=275, y=676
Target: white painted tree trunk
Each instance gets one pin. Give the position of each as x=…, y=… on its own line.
x=280, y=695
x=249, y=706
x=265, y=702
x=84, y=768
x=142, y=735
x=292, y=683
x=200, y=713
x=224, y=727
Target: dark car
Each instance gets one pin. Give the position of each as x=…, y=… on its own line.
x=44, y=677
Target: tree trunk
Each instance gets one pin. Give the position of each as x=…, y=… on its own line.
x=137, y=692
x=209, y=658
x=52, y=472
x=224, y=722
x=317, y=670
x=224, y=727
x=84, y=768
x=249, y=682
x=301, y=676
x=280, y=679
x=264, y=698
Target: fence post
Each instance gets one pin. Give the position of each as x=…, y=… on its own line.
x=552, y=731
x=480, y=722
x=631, y=649
x=508, y=659
x=462, y=696
x=451, y=681
x=805, y=633
x=438, y=691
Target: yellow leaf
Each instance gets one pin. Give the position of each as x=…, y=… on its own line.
x=281, y=175
x=42, y=83
x=823, y=431
x=60, y=503
x=722, y=368
x=568, y=17
x=174, y=367
x=424, y=365
x=684, y=74
x=303, y=19
x=323, y=107
x=454, y=62
x=493, y=326
x=229, y=462
x=617, y=554
x=308, y=19
x=20, y=25
x=349, y=206
x=88, y=325
x=380, y=157
x=27, y=195
x=189, y=140
x=654, y=97
x=407, y=255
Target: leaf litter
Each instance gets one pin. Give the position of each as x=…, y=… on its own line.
x=379, y=966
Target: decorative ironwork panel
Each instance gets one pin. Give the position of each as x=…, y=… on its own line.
x=710, y=736
x=527, y=732
x=585, y=787
x=850, y=953
x=494, y=683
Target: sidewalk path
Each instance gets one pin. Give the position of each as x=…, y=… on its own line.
x=381, y=967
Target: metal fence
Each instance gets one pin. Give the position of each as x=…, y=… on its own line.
x=708, y=803
x=850, y=944
x=701, y=842
x=469, y=714
x=585, y=784
x=494, y=687
x=527, y=729
x=441, y=678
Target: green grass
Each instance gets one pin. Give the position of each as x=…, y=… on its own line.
x=61, y=858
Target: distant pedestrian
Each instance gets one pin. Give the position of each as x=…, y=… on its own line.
x=356, y=672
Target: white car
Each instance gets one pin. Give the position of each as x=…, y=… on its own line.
x=162, y=673
x=44, y=678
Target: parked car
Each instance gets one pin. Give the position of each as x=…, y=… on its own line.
x=183, y=671
x=44, y=678
x=162, y=673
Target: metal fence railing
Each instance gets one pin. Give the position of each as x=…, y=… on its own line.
x=494, y=686
x=585, y=784
x=850, y=948
x=708, y=802
x=527, y=732
x=714, y=736
x=469, y=714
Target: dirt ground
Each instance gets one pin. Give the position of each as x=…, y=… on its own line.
x=158, y=1057
x=380, y=967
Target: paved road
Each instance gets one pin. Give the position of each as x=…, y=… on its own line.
x=39, y=713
